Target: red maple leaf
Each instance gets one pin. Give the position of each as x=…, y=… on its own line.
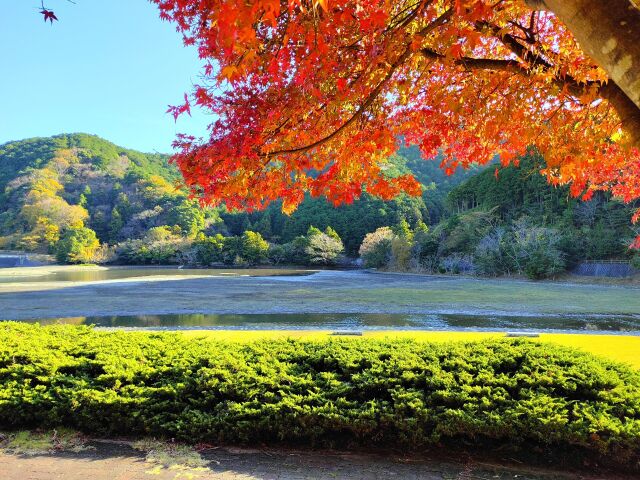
x=48, y=15
x=342, y=85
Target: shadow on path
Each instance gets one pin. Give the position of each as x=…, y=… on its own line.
x=120, y=461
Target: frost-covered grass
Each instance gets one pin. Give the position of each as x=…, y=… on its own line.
x=327, y=292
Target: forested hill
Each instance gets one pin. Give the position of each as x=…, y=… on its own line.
x=353, y=222
x=48, y=185
x=18, y=157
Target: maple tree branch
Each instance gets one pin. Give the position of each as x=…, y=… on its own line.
x=476, y=63
x=392, y=25
x=368, y=101
x=626, y=109
x=573, y=86
x=518, y=48
x=372, y=95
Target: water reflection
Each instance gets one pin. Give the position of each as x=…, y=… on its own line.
x=360, y=322
x=96, y=275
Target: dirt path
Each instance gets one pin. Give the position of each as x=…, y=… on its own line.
x=115, y=461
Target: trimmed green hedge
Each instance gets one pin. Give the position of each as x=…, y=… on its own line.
x=336, y=392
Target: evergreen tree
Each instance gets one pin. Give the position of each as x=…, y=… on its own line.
x=77, y=245
x=115, y=225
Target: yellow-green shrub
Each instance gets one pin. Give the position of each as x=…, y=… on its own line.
x=331, y=392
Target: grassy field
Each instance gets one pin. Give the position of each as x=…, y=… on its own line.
x=625, y=349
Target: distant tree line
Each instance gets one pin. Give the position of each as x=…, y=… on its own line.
x=86, y=200
x=506, y=221
x=163, y=245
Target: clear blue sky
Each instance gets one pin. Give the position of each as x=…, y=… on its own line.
x=107, y=67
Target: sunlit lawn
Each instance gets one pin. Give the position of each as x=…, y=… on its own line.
x=621, y=348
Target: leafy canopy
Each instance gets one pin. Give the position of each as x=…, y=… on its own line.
x=313, y=96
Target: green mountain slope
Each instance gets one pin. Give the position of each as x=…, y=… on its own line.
x=19, y=156
x=50, y=184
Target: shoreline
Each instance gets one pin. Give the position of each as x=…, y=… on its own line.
x=565, y=279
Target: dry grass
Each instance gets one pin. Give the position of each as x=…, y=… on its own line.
x=180, y=458
x=326, y=292
x=25, y=442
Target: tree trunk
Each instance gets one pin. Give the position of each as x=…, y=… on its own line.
x=628, y=112
x=609, y=31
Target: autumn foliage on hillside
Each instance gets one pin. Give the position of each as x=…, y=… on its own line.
x=314, y=97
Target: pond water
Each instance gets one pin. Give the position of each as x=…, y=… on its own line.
x=98, y=275
x=358, y=322
x=281, y=298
